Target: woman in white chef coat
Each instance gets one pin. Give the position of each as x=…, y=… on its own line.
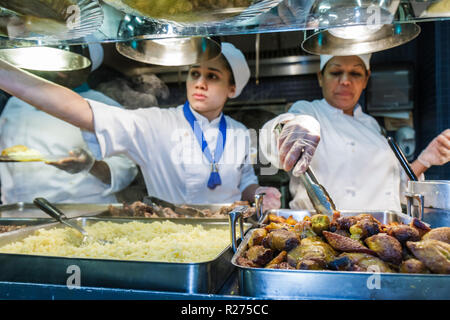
x=73, y=179
x=188, y=154
x=353, y=159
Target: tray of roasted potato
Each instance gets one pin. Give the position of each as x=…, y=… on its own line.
x=356, y=255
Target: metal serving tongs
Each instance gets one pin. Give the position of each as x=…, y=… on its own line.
x=318, y=195
x=57, y=214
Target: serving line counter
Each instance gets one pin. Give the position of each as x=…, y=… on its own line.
x=223, y=278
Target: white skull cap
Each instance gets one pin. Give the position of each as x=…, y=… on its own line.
x=238, y=64
x=364, y=57
x=96, y=54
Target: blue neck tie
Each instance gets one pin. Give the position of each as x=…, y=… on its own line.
x=214, y=178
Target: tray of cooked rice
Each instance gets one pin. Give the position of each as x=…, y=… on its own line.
x=182, y=255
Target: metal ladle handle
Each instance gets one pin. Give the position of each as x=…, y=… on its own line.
x=259, y=206
x=50, y=209
x=233, y=216
x=410, y=202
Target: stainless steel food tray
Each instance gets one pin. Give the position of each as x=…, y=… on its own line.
x=29, y=210
x=28, y=222
x=305, y=284
x=203, y=277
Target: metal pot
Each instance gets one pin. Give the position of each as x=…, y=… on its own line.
x=433, y=199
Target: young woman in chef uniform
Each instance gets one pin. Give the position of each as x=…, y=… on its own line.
x=353, y=159
x=189, y=154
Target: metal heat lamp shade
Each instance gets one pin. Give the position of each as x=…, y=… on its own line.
x=388, y=36
x=66, y=68
x=358, y=27
x=170, y=52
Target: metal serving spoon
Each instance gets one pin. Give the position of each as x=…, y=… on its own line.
x=57, y=214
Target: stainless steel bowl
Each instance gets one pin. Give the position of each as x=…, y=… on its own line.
x=170, y=52
x=60, y=66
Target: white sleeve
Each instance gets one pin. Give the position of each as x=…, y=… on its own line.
x=120, y=131
x=123, y=172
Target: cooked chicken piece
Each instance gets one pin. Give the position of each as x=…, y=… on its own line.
x=434, y=254
x=277, y=219
x=345, y=244
x=441, y=234
x=386, y=247
x=257, y=237
x=320, y=222
x=361, y=262
x=274, y=226
x=312, y=248
x=281, y=239
x=402, y=232
x=413, y=266
x=259, y=255
x=277, y=260
x=420, y=226
x=291, y=221
x=366, y=226
x=304, y=229
x=246, y=262
x=345, y=223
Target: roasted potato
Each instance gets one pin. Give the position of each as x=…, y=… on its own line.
x=281, y=240
x=402, y=232
x=386, y=247
x=441, y=234
x=434, y=254
x=257, y=237
x=345, y=244
x=413, y=266
x=320, y=222
x=259, y=255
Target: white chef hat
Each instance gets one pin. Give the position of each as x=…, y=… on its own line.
x=364, y=57
x=96, y=54
x=238, y=64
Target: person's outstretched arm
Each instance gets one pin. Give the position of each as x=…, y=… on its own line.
x=49, y=97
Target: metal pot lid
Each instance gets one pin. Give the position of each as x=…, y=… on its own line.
x=436, y=193
x=356, y=40
x=170, y=52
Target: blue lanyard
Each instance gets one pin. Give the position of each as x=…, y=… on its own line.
x=214, y=178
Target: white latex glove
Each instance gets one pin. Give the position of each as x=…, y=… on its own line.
x=271, y=199
x=79, y=160
x=297, y=143
x=437, y=152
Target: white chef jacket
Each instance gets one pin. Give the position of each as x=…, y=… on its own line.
x=353, y=160
x=20, y=123
x=162, y=143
